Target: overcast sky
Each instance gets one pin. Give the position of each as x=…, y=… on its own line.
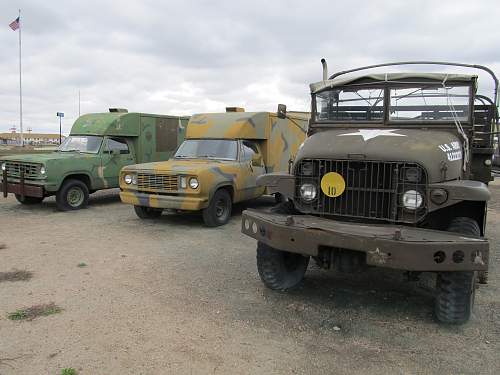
x=184, y=57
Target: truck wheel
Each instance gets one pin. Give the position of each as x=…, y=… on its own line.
x=455, y=296
x=218, y=211
x=148, y=212
x=73, y=195
x=280, y=270
x=28, y=200
x=456, y=290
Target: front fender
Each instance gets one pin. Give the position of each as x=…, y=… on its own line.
x=460, y=190
x=278, y=182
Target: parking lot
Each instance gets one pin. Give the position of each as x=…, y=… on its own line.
x=173, y=296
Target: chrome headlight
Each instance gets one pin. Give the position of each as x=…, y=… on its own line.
x=412, y=199
x=42, y=170
x=193, y=183
x=308, y=192
x=4, y=166
x=128, y=179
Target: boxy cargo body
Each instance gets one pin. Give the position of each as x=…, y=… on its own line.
x=90, y=159
x=221, y=157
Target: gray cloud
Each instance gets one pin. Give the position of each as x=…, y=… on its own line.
x=187, y=57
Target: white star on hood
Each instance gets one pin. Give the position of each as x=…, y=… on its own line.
x=373, y=133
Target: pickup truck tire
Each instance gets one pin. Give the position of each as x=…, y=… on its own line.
x=28, y=200
x=280, y=270
x=218, y=211
x=456, y=290
x=72, y=195
x=148, y=212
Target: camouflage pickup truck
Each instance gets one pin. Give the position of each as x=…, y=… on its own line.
x=394, y=174
x=217, y=164
x=90, y=159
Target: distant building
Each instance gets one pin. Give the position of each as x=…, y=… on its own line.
x=35, y=139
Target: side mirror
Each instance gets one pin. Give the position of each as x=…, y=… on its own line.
x=256, y=160
x=281, y=113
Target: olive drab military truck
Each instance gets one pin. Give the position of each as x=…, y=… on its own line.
x=394, y=173
x=90, y=159
x=217, y=164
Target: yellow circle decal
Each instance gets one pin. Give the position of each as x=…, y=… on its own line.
x=332, y=184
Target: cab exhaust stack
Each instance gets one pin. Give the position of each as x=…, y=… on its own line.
x=325, y=69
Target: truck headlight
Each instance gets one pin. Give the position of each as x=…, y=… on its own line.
x=128, y=179
x=42, y=170
x=4, y=166
x=308, y=192
x=412, y=199
x=193, y=183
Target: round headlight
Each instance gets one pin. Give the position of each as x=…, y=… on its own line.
x=42, y=170
x=127, y=179
x=4, y=166
x=308, y=192
x=193, y=183
x=412, y=200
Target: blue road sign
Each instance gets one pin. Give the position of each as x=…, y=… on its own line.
x=60, y=114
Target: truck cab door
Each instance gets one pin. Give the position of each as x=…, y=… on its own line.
x=116, y=154
x=253, y=166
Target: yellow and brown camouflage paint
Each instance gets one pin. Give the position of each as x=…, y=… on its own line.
x=278, y=140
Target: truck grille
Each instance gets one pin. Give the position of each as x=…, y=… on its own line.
x=14, y=168
x=373, y=189
x=157, y=182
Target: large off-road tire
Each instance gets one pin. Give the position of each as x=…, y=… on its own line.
x=456, y=290
x=148, y=212
x=455, y=296
x=28, y=200
x=468, y=226
x=218, y=211
x=73, y=195
x=280, y=270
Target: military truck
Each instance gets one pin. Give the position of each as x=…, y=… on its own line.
x=394, y=174
x=90, y=159
x=217, y=164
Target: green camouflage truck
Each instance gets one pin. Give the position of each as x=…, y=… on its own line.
x=90, y=158
x=394, y=174
x=217, y=164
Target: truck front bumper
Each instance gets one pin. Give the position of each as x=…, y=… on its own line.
x=20, y=187
x=176, y=202
x=392, y=246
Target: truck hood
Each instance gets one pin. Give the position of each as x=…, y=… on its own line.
x=432, y=149
x=48, y=157
x=176, y=166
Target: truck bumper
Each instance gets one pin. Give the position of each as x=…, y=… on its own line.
x=20, y=188
x=163, y=201
x=392, y=246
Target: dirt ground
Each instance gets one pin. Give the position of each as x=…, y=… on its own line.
x=172, y=296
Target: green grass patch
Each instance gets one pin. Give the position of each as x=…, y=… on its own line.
x=81, y=264
x=35, y=311
x=68, y=371
x=16, y=275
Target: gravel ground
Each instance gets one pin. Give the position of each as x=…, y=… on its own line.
x=172, y=296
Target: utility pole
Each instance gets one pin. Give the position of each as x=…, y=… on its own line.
x=20, y=85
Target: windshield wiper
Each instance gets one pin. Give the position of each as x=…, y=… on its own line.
x=71, y=150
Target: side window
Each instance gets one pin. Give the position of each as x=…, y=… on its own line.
x=118, y=144
x=249, y=149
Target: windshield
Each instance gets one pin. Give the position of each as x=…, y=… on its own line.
x=428, y=104
x=350, y=105
x=82, y=143
x=222, y=149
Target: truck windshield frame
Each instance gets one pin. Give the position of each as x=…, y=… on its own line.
x=87, y=144
x=217, y=149
x=417, y=103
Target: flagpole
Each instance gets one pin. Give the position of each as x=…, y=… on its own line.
x=20, y=85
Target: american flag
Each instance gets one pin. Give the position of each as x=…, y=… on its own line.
x=14, y=25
